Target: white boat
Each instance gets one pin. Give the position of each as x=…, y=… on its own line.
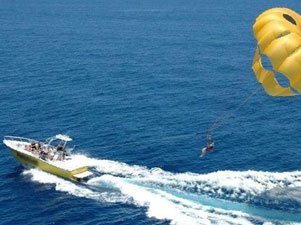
x=52, y=156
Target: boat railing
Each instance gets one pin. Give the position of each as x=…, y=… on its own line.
x=21, y=139
x=28, y=140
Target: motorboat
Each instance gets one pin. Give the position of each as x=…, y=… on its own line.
x=52, y=156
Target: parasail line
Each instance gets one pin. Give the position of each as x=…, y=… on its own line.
x=152, y=140
x=226, y=115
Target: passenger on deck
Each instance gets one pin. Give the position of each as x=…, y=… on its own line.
x=33, y=146
x=38, y=146
x=43, y=154
x=61, y=152
x=59, y=148
x=50, y=155
x=28, y=148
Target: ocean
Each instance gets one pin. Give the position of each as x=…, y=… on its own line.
x=136, y=84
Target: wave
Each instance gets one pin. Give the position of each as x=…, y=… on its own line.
x=223, y=197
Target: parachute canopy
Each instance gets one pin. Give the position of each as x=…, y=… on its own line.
x=278, y=35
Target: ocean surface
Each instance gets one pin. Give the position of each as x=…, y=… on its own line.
x=137, y=84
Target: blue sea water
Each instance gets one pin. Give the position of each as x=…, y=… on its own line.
x=144, y=77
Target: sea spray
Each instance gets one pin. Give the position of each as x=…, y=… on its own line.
x=155, y=189
x=242, y=186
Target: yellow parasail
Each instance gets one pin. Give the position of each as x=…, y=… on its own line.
x=278, y=35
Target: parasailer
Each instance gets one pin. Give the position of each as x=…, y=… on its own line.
x=278, y=35
x=209, y=147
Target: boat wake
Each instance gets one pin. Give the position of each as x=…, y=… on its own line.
x=223, y=197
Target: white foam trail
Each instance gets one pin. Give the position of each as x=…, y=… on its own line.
x=229, y=184
x=147, y=187
x=73, y=188
x=165, y=206
x=113, y=167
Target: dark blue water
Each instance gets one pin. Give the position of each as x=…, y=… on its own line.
x=115, y=72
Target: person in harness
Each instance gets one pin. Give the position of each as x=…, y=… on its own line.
x=209, y=147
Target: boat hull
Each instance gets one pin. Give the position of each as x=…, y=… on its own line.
x=34, y=162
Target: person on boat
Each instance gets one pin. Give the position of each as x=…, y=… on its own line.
x=43, y=154
x=28, y=148
x=38, y=146
x=33, y=146
x=50, y=155
x=209, y=147
x=59, y=148
x=62, y=152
